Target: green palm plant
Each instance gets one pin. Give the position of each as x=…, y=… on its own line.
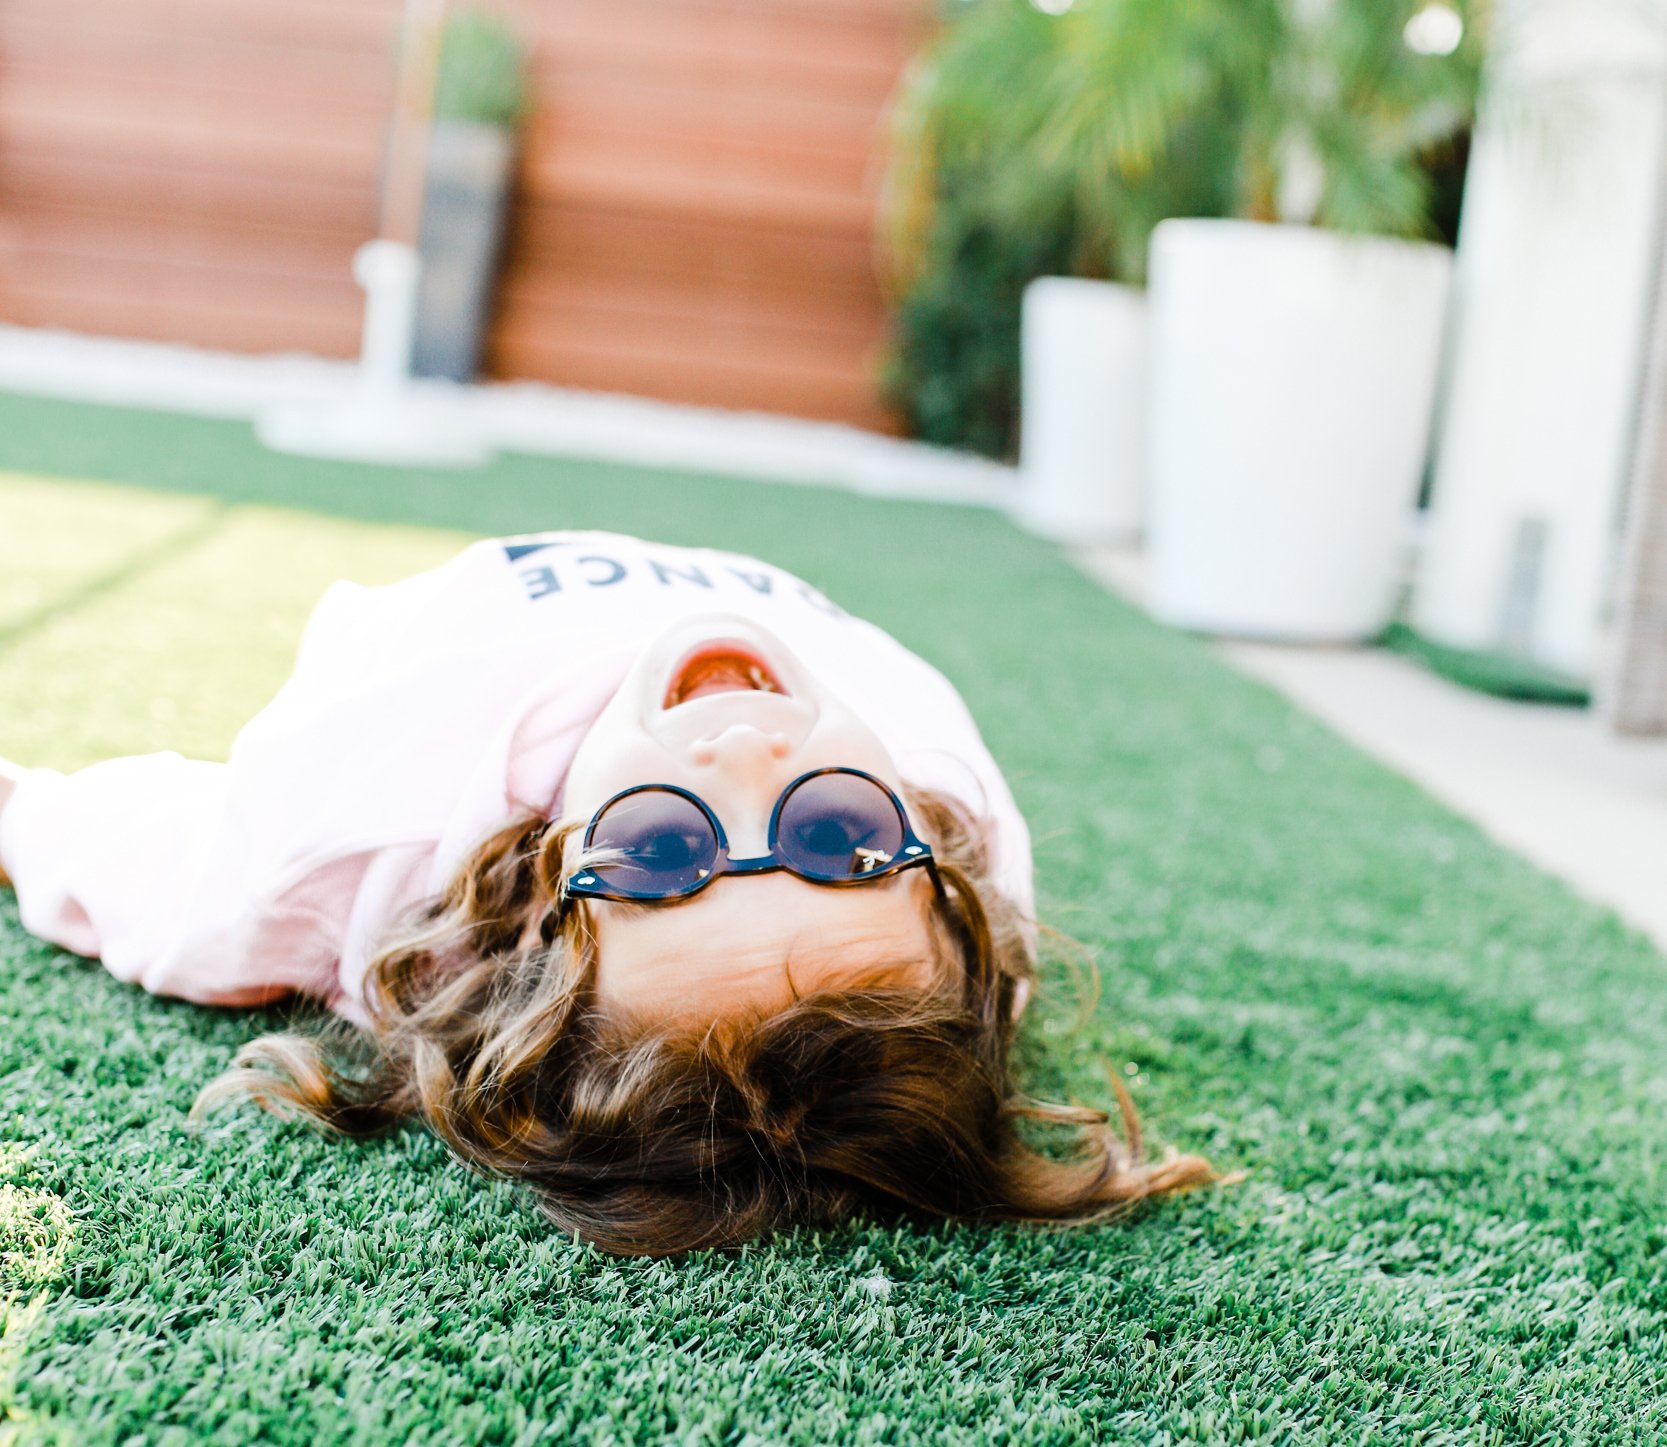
x=962, y=237
x=964, y=127
x=1095, y=124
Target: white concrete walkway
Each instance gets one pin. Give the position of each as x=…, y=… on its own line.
x=526, y=417
x=1552, y=783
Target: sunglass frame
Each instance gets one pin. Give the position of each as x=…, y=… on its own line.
x=588, y=883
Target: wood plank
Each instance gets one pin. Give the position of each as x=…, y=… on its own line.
x=853, y=313
x=227, y=70
x=697, y=188
x=740, y=383
x=299, y=25
x=716, y=13
x=234, y=199
x=558, y=305
x=770, y=48
x=46, y=240
x=660, y=186
x=235, y=320
x=840, y=161
x=157, y=122
x=223, y=280
x=722, y=344
x=564, y=236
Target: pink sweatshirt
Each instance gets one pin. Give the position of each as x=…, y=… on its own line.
x=420, y=717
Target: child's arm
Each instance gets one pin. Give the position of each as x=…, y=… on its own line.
x=10, y=774
x=114, y=862
x=100, y=857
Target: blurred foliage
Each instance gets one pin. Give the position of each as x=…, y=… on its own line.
x=953, y=364
x=482, y=74
x=1027, y=143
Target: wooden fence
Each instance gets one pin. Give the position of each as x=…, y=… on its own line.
x=697, y=190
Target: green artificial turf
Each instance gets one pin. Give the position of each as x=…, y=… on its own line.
x=1442, y=1073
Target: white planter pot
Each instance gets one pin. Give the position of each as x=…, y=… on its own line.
x=1293, y=380
x=1558, y=251
x=1082, y=451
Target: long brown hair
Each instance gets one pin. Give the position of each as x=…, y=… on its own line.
x=651, y=1140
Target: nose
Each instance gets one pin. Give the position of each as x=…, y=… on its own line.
x=740, y=746
x=742, y=776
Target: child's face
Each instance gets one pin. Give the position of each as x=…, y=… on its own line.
x=720, y=706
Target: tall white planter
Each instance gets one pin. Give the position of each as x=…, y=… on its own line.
x=1293, y=380
x=1082, y=447
x=1557, y=261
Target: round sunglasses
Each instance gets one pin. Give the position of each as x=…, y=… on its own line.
x=831, y=826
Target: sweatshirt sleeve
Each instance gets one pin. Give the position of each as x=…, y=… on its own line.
x=108, y=862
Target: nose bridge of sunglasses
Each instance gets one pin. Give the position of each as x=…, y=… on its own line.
x=746, y=821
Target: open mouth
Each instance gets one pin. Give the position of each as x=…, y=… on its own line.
x=720, y=668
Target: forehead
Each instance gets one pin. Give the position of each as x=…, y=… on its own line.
x=757, y=942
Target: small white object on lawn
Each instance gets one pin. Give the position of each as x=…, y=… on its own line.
x=383, y=418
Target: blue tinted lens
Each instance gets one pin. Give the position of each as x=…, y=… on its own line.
x=665, y=842
x=839, y=826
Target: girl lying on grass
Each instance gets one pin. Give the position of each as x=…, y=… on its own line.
x=644, y=875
